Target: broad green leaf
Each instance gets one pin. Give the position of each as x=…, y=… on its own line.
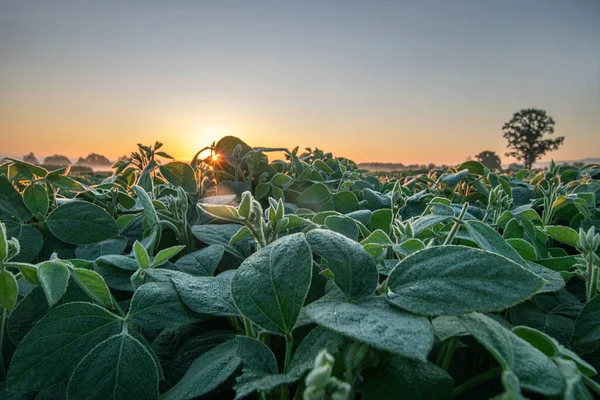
x=550, y=347
x=54, y=279
x=9, y=290
x=149, y=211
x=260, y=368
x=270, y=286
x=64, y=182
x=447, y=326
x=474, y=167
x=166, y=254
x=453, y=179
x=280, y=179
x=353, y=268
x=158, y=305
x=376, y=323
x=79, y=222
x=207, y=373
x=317, y=339
x=36, y=199
x=203, y=262
x=375, y=200
x=206, y=294
x=454, y=280
x=344, y=225
x=488, y=239
x=36, y=169
x=346, y=202
x=141, y=255
x=93, y=284
x=11, y=201
x=316, y=194
x=536, y=372
x=381, y=219
x=524, y=248
x=220, y=234
x=52, y=349
x=118, y=368
x=180, y=174
x=92, y=251
x=563, y=234
x=413, y=379
x=587, y=324
x=555, y=325
x=225, y=212
x=30, y=239
x=262, y=189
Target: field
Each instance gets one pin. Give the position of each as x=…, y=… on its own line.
x=309, y=278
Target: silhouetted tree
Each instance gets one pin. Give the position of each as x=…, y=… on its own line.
x=489, y=159
x=525, y=134
x=30, y=158
x=94, y=160
x=57, y=159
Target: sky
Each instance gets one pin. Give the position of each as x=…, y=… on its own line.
x=390, y=81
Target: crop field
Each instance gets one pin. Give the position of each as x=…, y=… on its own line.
x=233, y=276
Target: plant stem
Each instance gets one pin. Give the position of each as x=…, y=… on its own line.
x=289, y=343
x=249, y=329
x=592, y=277
x=2, y=368
x=449, y=353
x=477, y=380
x=456, y=225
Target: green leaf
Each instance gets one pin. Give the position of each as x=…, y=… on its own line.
x=488, y=239
x=54, y=279
x=414, y=379
x=36, y=169
x=535, y=370
x=36, y=199
x=260, y=368
x=587, y=324
x=344, y=225
x=30, y=239
x=376, y=323
x=555, y=325
x=353, y=268
x=206, y=294
x=316, y=194
x=203, y=262
x=524, y=248
x=270, y=286
x=158, y=305
x=225, y=212
x=141, y=255
x=206, y=373
x=453, y=179
x=345, y=202
x=180, y=174
x=93, y=284
x=280, y=179
x=64, y=182
x=262, y=189
x=149, y=211
x=166, y=254
x=455, y=280
x=79, y=222
x=118, y=368
x=220, y=234
x=9, y=290
x=52, y=349
x=92, y=251
x=563, y=234
x=11, y=201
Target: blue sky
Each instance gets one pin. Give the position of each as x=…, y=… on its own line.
x=405, y=81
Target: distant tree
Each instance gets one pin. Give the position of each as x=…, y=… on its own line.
x=515, y=166
x=489, y=159
x=30, y=158
x=57, y=159
x=430, y=166
x=94, y=160
x=525, y=134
